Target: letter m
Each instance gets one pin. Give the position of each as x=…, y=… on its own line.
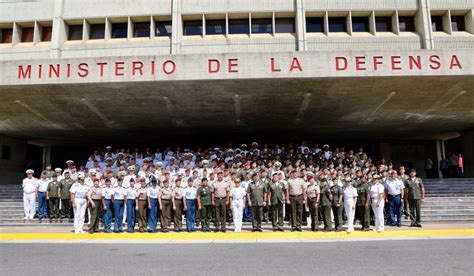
x=23, y=74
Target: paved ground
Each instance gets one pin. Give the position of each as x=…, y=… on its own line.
x=417, y=257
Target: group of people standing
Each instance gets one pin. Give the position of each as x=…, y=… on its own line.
x=316, y=186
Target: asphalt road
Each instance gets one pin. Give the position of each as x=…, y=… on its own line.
x=392, y=257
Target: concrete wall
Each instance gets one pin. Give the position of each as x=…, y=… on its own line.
x=12, y=171
x=467, y=145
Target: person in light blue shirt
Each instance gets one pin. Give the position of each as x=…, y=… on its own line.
x=152, y=195
x=131, y=195
x=190, y=193
x=43, y=183
x=118, y=199
x=107, y=193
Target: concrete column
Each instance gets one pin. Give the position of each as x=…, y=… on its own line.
x=470, y=21
x=467, y=152
x=447, y=22
x=300, y=25
x=177, y=27
x=46, y=155
x=38, y=29
x=59, y=34
x=423, y=24
x=385, y=151
x=439, y=154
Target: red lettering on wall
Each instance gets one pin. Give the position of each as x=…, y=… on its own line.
x=455, y=62
x=273, y=67
x=137, y=66
x=360, y=63
x=377, y=62
x=101, y=68
x=169, y=67
x=414, y=62
x=295, y=64
x=83, y=70
x=68, y=70
x=23, y=73
x=395, y=62
x=231, y=63
x=119, y=68
x=213, y=66
x=434, y=62
x=40, y=71
x=54, y=69
x=152, y=67
x=340, y=67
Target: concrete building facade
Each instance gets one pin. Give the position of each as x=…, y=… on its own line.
x=399, y=73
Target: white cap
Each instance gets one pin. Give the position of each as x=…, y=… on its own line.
x=30, y=171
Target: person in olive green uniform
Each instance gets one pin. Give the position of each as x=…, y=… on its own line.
x=325, y=203
x=363, y=203
x=165, y=203
x=66, y=204
x=276, y=197
x=313, y=194
x=337, y=205
x=404, y=177
x=256, y=195
x=416, y=194
x=52, y=195
x=204, y=204
x=94, y=197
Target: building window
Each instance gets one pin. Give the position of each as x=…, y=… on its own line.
x=284, y=25
x=360, y=24
x=314, y=24
x=97, y=31
x=6, y=152
x=238, y=26
x=163, y=28
x=406, y=23
x=337, y=25
x=7, y=35
x=27, y=34
x=458, y=24
x=193, y=27
x=74, y=32
x=215, y=27
x=437, y=23
x=383, y=24
x=141, y=29
x=262, y=26
x=119, y=30
x=46, y=33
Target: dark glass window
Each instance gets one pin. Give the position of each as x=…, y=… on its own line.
x=238, y=26
x=215, y=27
x=119, y=30
x=314, y=24
x=141, y=29
x=7, y=35
x=46, y=33
x=337, y=25
x=262, y=26
x=284, y=25
x=163, y=28
x=193, y=27
x=6, y=152
x=27, y=34
x=360, y=24
x=97, y=31
x=406, y=23
x=437, y=23
x=458, y=24
x=383, y=24
x=75, y=32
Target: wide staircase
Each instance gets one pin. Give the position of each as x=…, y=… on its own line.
x=447, y=200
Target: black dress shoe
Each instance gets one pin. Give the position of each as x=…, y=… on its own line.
x=260, y=229
x=254, y=230
x=293, y=229
x=418, y=225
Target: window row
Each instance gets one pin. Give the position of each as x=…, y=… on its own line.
x=441, y=21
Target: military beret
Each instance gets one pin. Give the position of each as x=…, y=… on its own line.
x=44, y=172
x=190, y=179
